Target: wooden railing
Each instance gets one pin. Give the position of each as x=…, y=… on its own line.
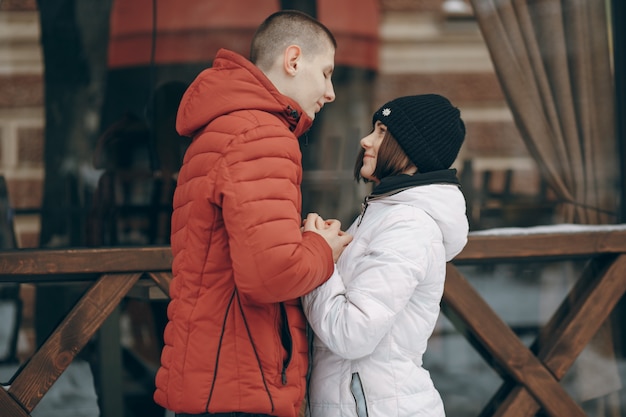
x=112, y=272
x=531, y=375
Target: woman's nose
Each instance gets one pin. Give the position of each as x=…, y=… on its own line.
x=365, y=142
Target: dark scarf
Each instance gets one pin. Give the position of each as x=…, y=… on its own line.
x=397, y=183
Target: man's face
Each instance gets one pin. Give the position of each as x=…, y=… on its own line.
x=312, y=83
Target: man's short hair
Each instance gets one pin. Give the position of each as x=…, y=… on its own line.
x=288, y=27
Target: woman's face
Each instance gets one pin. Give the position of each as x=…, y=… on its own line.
x=371, y=145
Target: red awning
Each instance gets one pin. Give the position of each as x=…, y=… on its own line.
x=193, y=30
x=355, y=25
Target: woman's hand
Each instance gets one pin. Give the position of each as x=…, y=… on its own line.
x=330, y=230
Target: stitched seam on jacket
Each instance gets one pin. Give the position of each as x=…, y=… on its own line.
x=219, y=349
x=256, y=354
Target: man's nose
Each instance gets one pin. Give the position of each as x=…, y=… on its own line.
x=330, y=93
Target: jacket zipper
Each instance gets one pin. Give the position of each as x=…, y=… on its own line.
x=286, y=340
x=373, y=197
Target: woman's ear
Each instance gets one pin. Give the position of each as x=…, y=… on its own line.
x=291, y=59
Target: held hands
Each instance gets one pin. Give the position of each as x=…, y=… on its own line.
x=330, y=230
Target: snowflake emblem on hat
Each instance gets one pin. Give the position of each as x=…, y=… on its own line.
x=386, y=111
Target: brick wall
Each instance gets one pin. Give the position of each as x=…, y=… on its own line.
x=21, y=134
x=21, y=113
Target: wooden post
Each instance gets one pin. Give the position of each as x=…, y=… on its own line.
x=618, y=13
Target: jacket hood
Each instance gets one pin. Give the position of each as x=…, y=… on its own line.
x=438, y=194
x=232, y=84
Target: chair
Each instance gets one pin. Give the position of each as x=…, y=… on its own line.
x=493, y=201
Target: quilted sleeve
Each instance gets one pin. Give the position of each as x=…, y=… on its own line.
x=352, y=319
x=261, y=199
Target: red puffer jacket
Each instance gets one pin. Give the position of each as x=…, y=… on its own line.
x=235, y=340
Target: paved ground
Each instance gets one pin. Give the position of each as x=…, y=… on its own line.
x=73, y=395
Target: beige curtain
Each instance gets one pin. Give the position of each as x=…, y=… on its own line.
x=553, y=61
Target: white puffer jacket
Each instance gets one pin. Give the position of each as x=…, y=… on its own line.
x=374, y=316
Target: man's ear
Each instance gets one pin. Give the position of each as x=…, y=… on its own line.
x=291, y=59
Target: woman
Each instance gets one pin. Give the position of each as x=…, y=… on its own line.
x=373, y=317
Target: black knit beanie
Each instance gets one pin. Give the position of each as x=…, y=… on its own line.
x=428, y=128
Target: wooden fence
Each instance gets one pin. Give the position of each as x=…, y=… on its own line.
x=531, y=375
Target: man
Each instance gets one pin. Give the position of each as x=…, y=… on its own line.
x=235, y=342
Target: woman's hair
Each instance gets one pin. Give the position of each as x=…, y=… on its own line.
x=390, y=160
x=288, y=27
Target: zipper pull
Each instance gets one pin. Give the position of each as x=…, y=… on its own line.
x=363, y=209
x=293, y=113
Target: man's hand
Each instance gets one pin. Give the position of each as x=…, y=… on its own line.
x=330, y=230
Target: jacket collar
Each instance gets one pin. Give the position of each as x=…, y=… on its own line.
x=298, y=121
x=395, y=184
